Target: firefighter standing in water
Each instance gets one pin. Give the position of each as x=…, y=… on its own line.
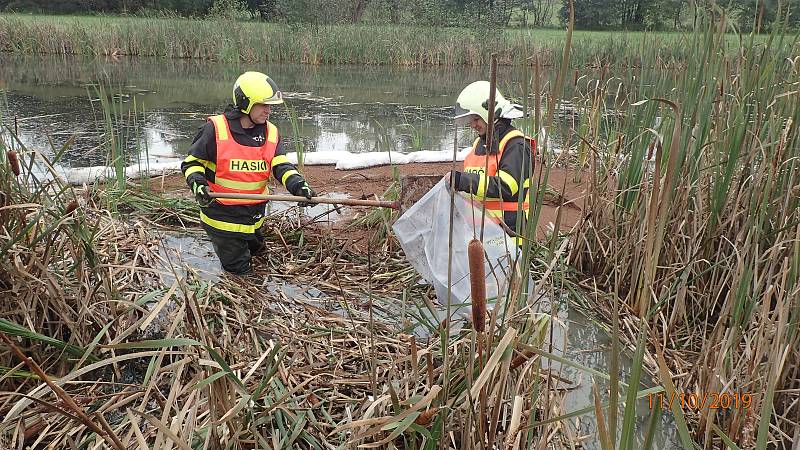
x=507, y=176
x=236, y=152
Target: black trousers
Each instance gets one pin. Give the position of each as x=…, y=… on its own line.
x=235, y=251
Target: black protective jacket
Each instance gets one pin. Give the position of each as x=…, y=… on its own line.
x=515, y=161
x=203, y=153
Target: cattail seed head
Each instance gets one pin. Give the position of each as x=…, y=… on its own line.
x=72, y=206
x=23, y=218
x=477, y=281
x=520, y=359
x=13, y=161
x=425, y=418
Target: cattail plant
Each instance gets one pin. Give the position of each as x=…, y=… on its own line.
x=477, y=280
x=425, y=418
x=72, y=206
x=13, y=162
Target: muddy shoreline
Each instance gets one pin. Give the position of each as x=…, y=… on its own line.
x=374, y=181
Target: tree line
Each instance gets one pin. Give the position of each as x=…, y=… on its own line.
x=745, y=15
x=589, y=14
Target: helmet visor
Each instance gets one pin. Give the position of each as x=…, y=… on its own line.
x=462, y=115
x=275, y=99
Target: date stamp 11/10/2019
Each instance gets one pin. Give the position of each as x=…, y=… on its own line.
x=701, y=400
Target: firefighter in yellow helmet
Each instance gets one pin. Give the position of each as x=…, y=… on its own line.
x=499, y=176
x=237, y=152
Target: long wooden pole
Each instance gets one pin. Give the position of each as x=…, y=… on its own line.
x=294, y=198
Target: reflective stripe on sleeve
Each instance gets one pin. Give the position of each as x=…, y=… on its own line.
x=228, y=226
x=280, y=159
x=194, y=169
x=509, y=180
x=287, y=175
x=207, y=164
x=481, y=192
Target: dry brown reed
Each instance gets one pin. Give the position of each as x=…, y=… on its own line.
x=164, y=359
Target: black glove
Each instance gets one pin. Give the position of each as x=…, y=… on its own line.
x=456, y=179
x=303, y=190
x=202, y=195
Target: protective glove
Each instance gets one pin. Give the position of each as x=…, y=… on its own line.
x=456, y=176
x=202, y=194
x=304, y=190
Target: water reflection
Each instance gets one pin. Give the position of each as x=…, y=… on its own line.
x=589, y=345
x=161, y=103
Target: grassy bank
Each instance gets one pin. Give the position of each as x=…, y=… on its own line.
x=339, y=44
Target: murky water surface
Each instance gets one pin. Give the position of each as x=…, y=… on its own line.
x=161, y=103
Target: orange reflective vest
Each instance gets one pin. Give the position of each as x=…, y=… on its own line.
x=242, y=169
x=486, y=165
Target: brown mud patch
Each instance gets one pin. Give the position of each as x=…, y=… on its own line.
x=374, y=181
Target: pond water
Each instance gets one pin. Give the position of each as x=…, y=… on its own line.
x=161, y=103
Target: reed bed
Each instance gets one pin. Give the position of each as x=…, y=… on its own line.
x=692, y=228
x=689, y=248
x=329, y=44
x=111, y=342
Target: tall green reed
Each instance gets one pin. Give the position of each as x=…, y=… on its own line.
x=701, y=237
x=326, y=44
x=297, y=132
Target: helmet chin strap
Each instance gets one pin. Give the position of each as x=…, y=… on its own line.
x=249, y=118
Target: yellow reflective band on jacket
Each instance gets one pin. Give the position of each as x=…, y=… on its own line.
x=221, y=127
x=504, y=176
x=481, y=192
x=495, y=214
x=194, y=169
x=287, y=175
x=280, y=159
x=232, y=227
x=241, y=185
x=510, y=135
x=272, y=133
x=207, y=164
x=509, y=180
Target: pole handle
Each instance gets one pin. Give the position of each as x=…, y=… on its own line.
x=295, y=198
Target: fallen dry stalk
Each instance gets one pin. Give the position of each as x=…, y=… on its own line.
x=108, y=435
